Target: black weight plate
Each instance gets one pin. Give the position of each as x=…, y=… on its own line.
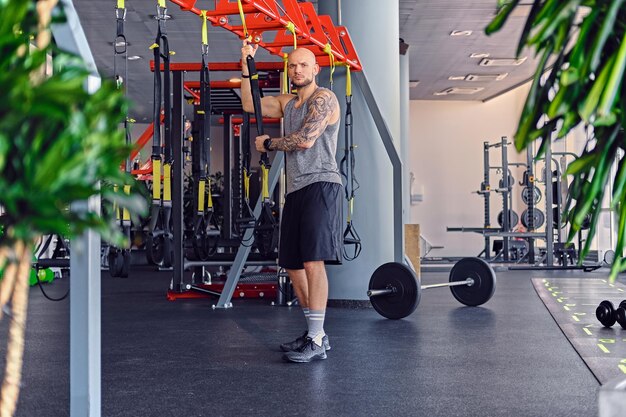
x=538, y=218
x=513, y=218
x=125, y=264
x=605, y=313
x=484, y=281
x=116, y=262
x=408, y=291
x=536, y=194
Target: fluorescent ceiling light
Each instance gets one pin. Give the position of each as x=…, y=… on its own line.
x=456, y=77
x=461, y=33
x=479, y=55
x=134, y=57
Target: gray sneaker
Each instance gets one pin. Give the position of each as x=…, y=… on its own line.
x=300, y=341
x=310, y=351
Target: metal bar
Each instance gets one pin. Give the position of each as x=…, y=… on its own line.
x=487, y=198
x=227, y=200
x=549, y=203
x=505, y=198
x=219, y=66
x=242, y=253
x=191, y=264
x=468, y=282
x=392, y=153
x=203, y=290
x=377, y=293
x=177, y=181
x=531, y=203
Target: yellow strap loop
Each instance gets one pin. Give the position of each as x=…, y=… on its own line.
x=201, y=192
x=120, y=4
x=292, y=28
x=205, y=31
x=154, y=45
x=115, y=207
x=246, y=184
x=350, y=208
x=162, y=3
x=329, y=50
x=126, y=215
x=285, y=87
x=348, y=81
x=156, y=179
x=243, y=19
x=210, y=198
x=167, y=182
x=265, y=192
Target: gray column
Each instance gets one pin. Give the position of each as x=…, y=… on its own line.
x=85, y=298
x=404, y=136
x=374, y=29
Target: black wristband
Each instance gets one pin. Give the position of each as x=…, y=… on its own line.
x=267, y=144
x=245, y=76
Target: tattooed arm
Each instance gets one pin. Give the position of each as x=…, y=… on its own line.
x=323, y=110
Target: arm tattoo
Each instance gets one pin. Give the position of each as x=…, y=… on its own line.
x=322, y=106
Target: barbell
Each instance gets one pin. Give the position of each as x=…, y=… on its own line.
x=395, y=290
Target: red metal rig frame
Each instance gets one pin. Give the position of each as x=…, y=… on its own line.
x=317, y=33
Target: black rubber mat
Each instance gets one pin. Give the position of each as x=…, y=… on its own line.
x=572, y=303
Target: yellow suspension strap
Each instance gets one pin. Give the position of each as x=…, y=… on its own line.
x=243, y=20
x=266, y=228
x=119, y=258
x=206, y=229
x=328, y=50
x=285, y=87
x=160, y=239
x=292, y=28
x=347, y=167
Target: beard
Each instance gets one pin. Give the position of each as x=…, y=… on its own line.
x=302, y=83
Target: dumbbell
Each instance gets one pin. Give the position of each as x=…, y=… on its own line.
x=607, y=314
x=395, y=290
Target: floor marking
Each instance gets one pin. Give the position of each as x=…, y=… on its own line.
x=576, y=318
x=623, y=368
x=603, y=348
x=566, y=308
x=587, y=331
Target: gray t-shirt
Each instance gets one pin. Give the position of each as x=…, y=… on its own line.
x=316, y=164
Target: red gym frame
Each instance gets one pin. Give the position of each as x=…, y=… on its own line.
x=316, y=33
x=331, y=45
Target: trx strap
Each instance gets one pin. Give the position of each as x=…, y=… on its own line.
x=206, y=229
x=119, y=258
x=266, y=229
x=160, y=238
x=347, y=165
x=246, y=220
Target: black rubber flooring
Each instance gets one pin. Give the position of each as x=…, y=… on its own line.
x=572, y=303
x=162, y=358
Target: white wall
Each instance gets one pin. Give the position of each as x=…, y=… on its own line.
x=446, y=157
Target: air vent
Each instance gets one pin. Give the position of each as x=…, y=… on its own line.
x=413, y=83
x=461, y=33
x=458, y=90
x=486, y=77
x=502, y=62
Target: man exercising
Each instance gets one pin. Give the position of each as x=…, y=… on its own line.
x=310, y=230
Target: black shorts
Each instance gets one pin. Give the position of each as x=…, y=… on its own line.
x=311, y=226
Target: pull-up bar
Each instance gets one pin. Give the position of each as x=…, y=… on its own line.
x=331, y=44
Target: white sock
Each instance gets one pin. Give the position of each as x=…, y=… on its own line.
x=316, y=325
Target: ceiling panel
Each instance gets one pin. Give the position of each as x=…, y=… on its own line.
x=424, y=24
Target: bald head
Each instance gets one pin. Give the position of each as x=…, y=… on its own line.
x=302, y=67
x=300, y=54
